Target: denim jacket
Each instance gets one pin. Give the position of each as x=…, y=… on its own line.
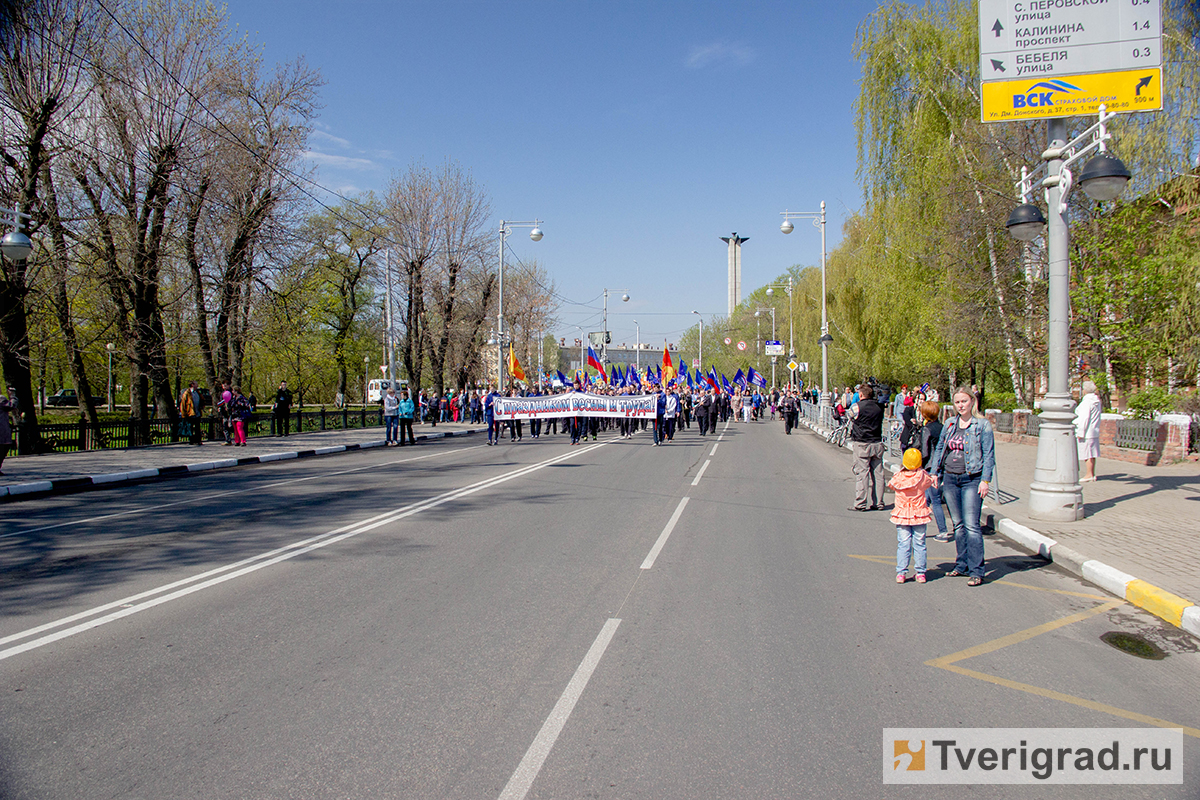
x=980, y=452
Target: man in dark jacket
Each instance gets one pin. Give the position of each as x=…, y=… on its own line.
x=866, y=438
x=283, y=409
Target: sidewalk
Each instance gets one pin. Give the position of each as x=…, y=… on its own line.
x=1140, y=538
x=54, y=473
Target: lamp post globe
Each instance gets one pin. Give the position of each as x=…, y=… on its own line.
x=770, y=291
x=16, y=246
x=536, y=234
x=1104, y=177
x=624, y=298
x=787, y=226
x=1025, y=222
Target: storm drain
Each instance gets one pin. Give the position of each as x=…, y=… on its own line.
x=1134, y=645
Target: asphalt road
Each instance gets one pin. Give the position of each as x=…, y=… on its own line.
x=535, y=620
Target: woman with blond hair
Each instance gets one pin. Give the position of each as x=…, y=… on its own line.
x=964, y=462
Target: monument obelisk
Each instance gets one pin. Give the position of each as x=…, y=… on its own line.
x=735, y=269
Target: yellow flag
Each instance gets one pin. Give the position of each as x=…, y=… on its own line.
x=514, y=366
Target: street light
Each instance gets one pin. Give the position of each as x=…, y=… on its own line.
x=366, y=379
x=700, y=355
x=604, y=340
x=505, y=229
x=772, y=310
x=638, y=345
x=818, y=220
x=1055, y=493
x=111, y=348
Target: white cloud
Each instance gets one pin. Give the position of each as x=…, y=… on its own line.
x=706, y=55
x=329, y=137
x=343, y=162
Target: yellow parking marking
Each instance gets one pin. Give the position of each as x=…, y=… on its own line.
x=1056, y=591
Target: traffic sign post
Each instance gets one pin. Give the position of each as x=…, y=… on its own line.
x=773, y=348
x=1047, y=59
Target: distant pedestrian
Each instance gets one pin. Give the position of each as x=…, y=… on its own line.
x=911, y=514
x=189, y=413
x=282, y=410
x=6, y=437
x=225, y=410
x=1087, y=430
x=241, y=413
x=964, y=463
x=391, y=416
x=406, y=418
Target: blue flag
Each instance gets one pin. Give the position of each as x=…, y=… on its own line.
x=691, y=385
x=562, y=378
x=757, y=380
x=739, y=379
x=725, y=384
x=712, y=379
x=634, y=378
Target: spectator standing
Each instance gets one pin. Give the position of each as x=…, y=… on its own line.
x=911, y=515
x=1087, y=430
x=866, y=437
x=6, y=437
x=788, y=406
x=391, y=416
x=225, y=409
x=240, y=411
x=282, y=410
x=930, y=433
x=406, y=418
x=964, y=463
x=189, y=413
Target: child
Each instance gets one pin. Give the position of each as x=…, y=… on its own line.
x=911, y=514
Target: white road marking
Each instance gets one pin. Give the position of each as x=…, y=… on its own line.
x=213, y=577
x=714, y=450
x=700, y=474
x=527, y=771
x=662, y=537
x=213, y=496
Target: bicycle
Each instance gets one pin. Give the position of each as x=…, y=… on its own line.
x=838, y=437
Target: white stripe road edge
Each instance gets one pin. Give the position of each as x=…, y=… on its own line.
x=527, y=771
x=228, y=572
x=700, y=474
x=714, y=450
x=662, y=537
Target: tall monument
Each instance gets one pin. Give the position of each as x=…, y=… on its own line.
x=735, y=269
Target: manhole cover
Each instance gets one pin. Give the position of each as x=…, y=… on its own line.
x=1134, y=645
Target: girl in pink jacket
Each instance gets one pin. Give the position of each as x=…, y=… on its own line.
x=911, y=514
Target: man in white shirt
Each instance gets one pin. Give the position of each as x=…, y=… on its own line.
x=1087, y=430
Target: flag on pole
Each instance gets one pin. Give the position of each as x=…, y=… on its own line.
x=725, y=384
x=514, y=366
x=668, y=370
x=633, y=377
x=562, y=378
x=739, y=379
x=691, y=385
x=594, y=363
x=711, y=377
x=756, y=379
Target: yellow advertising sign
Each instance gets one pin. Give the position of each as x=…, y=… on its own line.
x=1072, y=95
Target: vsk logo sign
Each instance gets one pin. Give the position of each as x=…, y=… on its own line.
x=908, y=755
x=1042, y=94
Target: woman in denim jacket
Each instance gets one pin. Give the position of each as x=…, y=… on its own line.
x=964, y=463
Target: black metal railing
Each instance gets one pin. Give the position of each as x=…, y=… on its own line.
x=73, y=437
x=1137, y=434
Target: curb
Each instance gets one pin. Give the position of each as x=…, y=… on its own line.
x=1179, y=611
x=21, y=491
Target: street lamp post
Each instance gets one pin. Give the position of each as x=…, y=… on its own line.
x=604, y=340
x=366, y=379
x=700, y=355
x=772, y=310
x=637, y=355
x=1055, y=493
x=818, y=220
x=788, y=289
x=506, y=227
x=111, y=348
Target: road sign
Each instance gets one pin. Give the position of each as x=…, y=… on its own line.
x=383, y=368
x=1040, y=59
x=741, y=345
x=728, y=340
x=803, y=367
x=1035, y=98
x=773, y=348
x=696, y=363
x=793, y=366
x=1053, y=38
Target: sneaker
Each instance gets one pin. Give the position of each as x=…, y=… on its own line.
x=901, y=578
x=945, y=537
x=921, y=578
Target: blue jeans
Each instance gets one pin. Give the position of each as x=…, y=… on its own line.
x=964, y=503
x=933, y=496
x=910, y=541
x=393, y=424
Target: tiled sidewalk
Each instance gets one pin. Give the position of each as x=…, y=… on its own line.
x=25, y=471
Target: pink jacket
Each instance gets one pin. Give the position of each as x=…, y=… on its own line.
x=910, y=486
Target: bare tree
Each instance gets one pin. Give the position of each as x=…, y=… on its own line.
x=412, y=214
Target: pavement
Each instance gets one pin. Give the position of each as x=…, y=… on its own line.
x=1139, y=539
x=57, y=473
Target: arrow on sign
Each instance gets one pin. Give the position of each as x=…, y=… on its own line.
x=997, y=28
x=998, y=65
x=1143, y=82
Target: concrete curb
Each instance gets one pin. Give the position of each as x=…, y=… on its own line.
x=1179, y=611
x=22, y=491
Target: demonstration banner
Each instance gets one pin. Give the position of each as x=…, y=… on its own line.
x=576, y=404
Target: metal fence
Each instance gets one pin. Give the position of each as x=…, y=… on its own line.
x=1137, y=434
x=77, y=436
x=1033, y=425
x=1004, y=422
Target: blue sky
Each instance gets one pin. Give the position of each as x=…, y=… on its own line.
x=639, y=132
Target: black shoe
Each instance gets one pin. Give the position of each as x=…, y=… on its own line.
x=856, y=508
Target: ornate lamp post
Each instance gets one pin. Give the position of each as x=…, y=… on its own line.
x=506, y=228
x=818, y=220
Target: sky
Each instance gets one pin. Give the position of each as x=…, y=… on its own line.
x=639, y=133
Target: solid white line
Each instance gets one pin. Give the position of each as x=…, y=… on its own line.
x=527, y=771
x=228, y=572
x=214, y=495
x=714, y=450
x=696, y=480
x=662, y=537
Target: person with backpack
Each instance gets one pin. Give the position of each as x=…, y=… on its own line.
x=240, y=412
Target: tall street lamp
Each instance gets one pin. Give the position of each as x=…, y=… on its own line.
x=1055, y=493
x=638, y=345
x=700, y=355
x=788, y=288
x=16, y=247
x=818, y=220
x=604, y=340
x=111, y=348
x=772, y=310
x=506, y=228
